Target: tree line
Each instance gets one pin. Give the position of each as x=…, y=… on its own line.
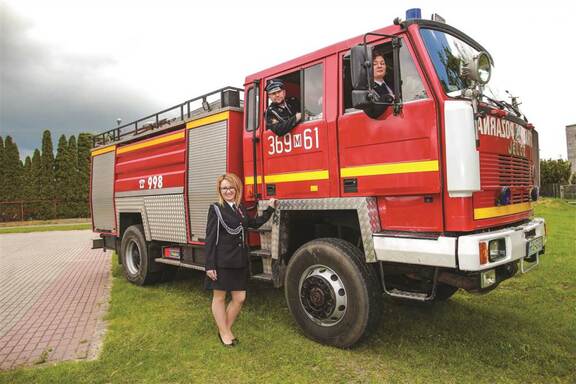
x=58, y=186
x=50, y=186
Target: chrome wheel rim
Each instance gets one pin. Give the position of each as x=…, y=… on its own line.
x=323, y=295
x=133, y=259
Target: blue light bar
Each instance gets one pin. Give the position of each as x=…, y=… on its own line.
x=413, y=13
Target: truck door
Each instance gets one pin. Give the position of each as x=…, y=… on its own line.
x=394, y=157
x=296, y=164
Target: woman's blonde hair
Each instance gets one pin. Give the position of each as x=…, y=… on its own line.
x=235, y=182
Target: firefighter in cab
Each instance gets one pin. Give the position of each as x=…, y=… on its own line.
x=384, y=93
x=283, y=114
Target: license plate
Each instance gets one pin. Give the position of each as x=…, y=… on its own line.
x=534, y=246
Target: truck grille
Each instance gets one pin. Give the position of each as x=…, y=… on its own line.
x=498, y=171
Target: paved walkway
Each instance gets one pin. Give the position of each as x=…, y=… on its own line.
x=54, y=293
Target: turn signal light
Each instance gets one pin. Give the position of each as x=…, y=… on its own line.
x=483, y=252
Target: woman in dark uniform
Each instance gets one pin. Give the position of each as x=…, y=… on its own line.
x=226, y=253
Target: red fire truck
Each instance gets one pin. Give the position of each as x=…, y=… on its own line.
x=434, y=195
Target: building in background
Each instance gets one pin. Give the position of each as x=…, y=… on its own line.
x=571, y=145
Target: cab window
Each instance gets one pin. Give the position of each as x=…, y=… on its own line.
x=313, y=92
x=307, y=86
x=251, y=110
x=411, y=83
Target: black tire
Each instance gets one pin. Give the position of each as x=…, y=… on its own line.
x=332, y=293
x=135, y=259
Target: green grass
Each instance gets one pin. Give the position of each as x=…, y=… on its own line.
x=45, y=228
x=523, y=332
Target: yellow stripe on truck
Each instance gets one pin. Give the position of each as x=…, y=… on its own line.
x=297, y=176
x=390, y=168
x=96, y=152
x=249, y=180
x=151, y=143
x=489, y=212
x=208, y=120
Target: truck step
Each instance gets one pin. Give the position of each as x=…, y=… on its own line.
x=260, y=253
x=263, y=277
x=177, y=263
x=419, y=296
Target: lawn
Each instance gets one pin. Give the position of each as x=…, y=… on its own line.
x=45, y=228
x=524, y=332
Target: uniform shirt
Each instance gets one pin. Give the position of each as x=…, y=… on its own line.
x=230, y=251
x=281, y=118
x=376, y=110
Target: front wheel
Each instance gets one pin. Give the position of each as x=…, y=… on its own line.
x=332, y=293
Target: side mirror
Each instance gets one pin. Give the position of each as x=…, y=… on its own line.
x=361, y=70
x=361, y=66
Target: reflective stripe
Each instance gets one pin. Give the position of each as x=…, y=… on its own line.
x=390, y=168
x=208, y=120
x=486, y=213
x=297, y=176
x=160, y=140
x=101, y=151
x=250, y=180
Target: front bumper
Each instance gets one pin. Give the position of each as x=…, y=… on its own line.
x=462, y=252
x=516, y=239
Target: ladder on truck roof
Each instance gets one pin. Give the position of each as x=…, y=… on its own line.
x=172, y=117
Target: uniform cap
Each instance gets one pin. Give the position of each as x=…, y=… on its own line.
x=274, y=85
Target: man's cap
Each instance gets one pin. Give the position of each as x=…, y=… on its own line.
x=274, y=85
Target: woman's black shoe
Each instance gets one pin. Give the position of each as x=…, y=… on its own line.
x=223, y=343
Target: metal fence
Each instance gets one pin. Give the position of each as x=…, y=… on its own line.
x=42, y=210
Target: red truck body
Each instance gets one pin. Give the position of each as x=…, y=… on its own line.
x=414, y=195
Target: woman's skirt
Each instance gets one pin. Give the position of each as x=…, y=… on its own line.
x=228, y=279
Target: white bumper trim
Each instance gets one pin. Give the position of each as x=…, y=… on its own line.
x=442, y=252
x=439, y=252
x=469, y=260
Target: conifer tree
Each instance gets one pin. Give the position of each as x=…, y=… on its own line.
x=26, y=177
x=72, y=182
x=2, y=178
x=61, y=174
x=47, y=190
x=27, y=184
x=35, y=208
x=84, y=146
x=12, y=171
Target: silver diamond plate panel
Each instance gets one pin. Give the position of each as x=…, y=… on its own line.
x=133, y=205
x=166, y=217
x=103, y=191
x=366, y=207
x=207, y=148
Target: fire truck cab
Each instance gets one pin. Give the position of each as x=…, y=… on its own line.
x=433, y=195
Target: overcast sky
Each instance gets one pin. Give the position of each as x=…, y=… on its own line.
x=77, y=66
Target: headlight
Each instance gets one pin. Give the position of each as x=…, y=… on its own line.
x=487, y=278
x=483, y=67
x=479, y=69
x=496, y=249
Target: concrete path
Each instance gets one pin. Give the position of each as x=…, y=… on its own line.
x=54, y=293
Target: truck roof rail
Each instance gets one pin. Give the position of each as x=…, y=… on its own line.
x=180, y=113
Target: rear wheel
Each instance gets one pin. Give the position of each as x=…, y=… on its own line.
x=332, y=293
x=135, y=257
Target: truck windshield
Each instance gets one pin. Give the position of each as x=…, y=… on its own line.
x=446, y=53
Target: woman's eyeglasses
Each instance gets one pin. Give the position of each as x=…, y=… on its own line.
x=227, y=189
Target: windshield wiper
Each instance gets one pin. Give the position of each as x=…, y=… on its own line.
x=505, y=105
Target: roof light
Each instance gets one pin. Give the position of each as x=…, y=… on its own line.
x=413, y=13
